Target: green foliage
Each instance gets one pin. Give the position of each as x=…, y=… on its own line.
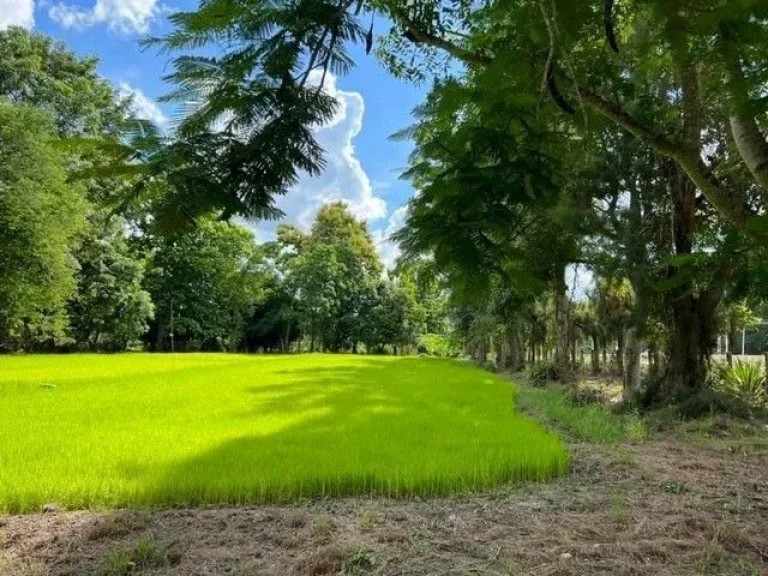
x=48, y=76
x=541, y=373
x=110, y=310
x=250, y=105
x=40, y=216
x=362, y=562
x=396, y=318
x=745, y=381
x=440, y=345
x=335, y=277
x=195, y=429
x=618, y=501
x=207, y=280
x=275, y=323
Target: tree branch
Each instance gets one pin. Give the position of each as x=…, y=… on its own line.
x=729, y=203
x=749, y=139
x=420, y=36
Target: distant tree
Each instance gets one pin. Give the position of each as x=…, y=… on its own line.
x=276, y=322
x=41, y=214
x=395, y=319
x=204, y=283
x=431, y=292
x=111, y=309
x=333, y=271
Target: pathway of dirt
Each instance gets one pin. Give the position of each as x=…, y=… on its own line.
x=663, y=507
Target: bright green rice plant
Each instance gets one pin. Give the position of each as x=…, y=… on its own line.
x=199, y=429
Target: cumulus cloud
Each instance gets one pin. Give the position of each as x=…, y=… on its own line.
x=344, y=177
x=123, y=16
x=387, y=249
x=143, y=106
x=17, y=13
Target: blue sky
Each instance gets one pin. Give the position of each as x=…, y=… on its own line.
x=363, y=166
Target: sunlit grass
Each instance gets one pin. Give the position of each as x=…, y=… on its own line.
x=593, y=423
x=135, y=430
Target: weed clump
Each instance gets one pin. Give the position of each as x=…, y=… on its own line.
x=147, y=554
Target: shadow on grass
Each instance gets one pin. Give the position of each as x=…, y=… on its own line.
x=373, y=426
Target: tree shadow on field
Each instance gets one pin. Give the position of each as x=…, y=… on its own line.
x=330, y=431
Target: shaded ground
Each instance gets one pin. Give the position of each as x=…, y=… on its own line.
x=666, y=506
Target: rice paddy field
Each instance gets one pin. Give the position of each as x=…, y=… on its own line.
x=92, y=431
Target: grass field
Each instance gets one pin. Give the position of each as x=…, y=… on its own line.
x=135, y=430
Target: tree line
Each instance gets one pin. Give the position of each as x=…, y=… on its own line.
x=627, y=139
x=624, y=138
x=82, y=268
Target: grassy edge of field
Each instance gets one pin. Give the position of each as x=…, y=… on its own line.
x=593, y=423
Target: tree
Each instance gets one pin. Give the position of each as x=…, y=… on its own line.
x=45, y=74
x=333, y=271
x=694, y=51
x=111, y=309
x=494, y=209
x=275, y=323
x=685, y=79
x=204, y=283
x=431, y=293
x=41, y=213
x=395, y=319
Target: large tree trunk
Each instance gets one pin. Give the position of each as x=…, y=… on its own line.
x=691, y=314
x=691, y=310
x=515, y=359
x=519, y=351
x=287, y=337
x=689, y=348
x=573, y=352
x=638, y=264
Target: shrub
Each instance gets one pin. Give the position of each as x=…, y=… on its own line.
x=746, y=382
x=539, y=373
x=439, y=345
x=586, y=396
x=487, y=366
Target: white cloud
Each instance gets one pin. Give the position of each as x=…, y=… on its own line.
x=124, y=16
x=143, y=106
x=344, y=177
x=17, y=13
x=388, y=250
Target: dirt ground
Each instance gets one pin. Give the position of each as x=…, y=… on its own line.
x=666, y=506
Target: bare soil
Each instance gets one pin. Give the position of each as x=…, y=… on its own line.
x=667, y=506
